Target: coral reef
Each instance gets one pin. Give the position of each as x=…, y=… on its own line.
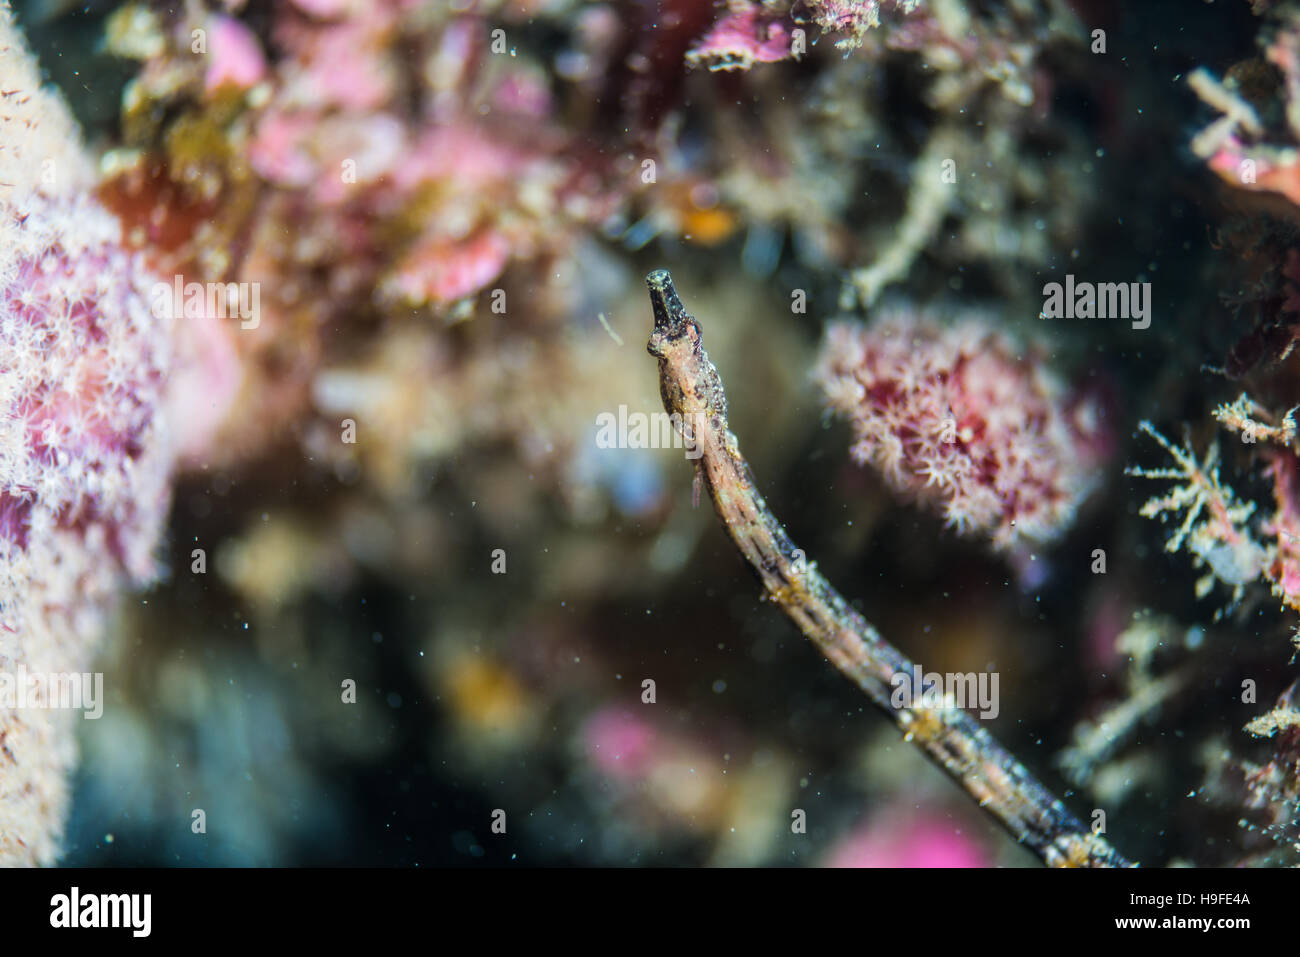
x=409, y=210
x=415, y=234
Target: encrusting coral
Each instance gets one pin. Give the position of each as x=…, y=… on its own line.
x=84, y=455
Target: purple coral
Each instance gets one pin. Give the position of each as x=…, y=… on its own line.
x=959, y=419
x=82, y=365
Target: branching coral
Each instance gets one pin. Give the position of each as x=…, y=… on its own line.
x=967, y=48
x=1213, y=522
x=1166, y=672
x=1238, y=547
x=1146, y=691
x=1219, y=528
x=976, y=64
x=1273, y=787
x=1237, y=146
x=853, y=18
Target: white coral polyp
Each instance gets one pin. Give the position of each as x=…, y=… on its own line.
x=84, y=455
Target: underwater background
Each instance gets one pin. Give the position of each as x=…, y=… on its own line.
x=414, y=565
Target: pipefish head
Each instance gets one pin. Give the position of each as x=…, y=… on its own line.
x=688, y=381
x=673, y=323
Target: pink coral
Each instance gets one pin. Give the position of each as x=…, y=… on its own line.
x=387, y=161
x=83, y=371
x=745, y=36
x=751, y=32
x=85, y=457
x=439, y=271
x=960, y=419
x=908, y=840
x=1284, y=525
x=620, y=744
x=1233, y=145
x=236, y=56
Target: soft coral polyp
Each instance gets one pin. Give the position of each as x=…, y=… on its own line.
x=961, y=419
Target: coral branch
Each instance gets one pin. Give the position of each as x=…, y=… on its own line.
x=928, y=202
x=691, y=387
x=1216, y=524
